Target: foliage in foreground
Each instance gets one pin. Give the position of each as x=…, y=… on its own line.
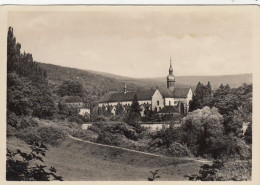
x=203, y=131
x=22, y=166
x=224, y=171
x=154, y=175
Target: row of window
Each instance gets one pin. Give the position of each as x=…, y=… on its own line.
x=157, y=109
x=158, y=102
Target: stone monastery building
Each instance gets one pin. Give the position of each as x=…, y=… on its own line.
x=164, y=101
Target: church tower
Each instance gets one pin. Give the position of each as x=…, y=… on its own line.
x=170, y=78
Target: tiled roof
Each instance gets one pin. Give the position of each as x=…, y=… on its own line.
x=181, y=92
x=119, y=97
x=167, y=93
x=169, y=109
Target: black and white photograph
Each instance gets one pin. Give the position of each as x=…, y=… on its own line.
x=129, y=93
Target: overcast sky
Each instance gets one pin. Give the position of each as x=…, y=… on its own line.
x=139, y=41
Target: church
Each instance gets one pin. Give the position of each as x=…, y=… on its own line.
x=168, y=100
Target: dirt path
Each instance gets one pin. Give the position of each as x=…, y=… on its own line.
x=204, y=161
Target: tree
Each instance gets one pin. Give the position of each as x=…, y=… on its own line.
x=235, y=105
x=22, y=168
x=134, y=115
x=43, y=102
x=135, y=107
x=201, y=130
x=71, y=88
x=28, y=93
x=119, y=109
x=201, y=97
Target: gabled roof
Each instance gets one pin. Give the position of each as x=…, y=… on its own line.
x=178, y=92
x=169, y=109
x=119, y=97
x=181, y=92
x=166, y=93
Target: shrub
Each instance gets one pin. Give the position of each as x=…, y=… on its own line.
x=115, y=128
x=51, y=135
x=12, y=119
x=11, y=131
x=220, y=171
x=85, y=134
x=179, y=150
x=27, y=122
x=109, y=138
x=47, y=135
x=231, y=146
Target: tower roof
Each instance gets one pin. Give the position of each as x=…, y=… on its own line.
x=171, y=77
x=170, y=69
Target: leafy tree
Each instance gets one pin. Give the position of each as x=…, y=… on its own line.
x=27, y=90
x=134, y=115
x=202, y=129
x=119, y=109
x=43, y=102
x=22, y=168
x=201, y=97
x=71, y=88
x=235, y=105
x=18, y=95
x=166, y=137
x=22, y=63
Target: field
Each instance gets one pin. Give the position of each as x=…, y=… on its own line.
x=78, y=161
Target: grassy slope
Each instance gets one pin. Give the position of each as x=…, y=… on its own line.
x=76, y=161
x=104, y=81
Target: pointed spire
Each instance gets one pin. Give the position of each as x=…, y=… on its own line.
x=170, y=69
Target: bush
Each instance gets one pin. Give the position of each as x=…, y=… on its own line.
x=179, y=150
x=51, y=135
x=12, y=119
x=231, y=146
x=85, y=135
x=224, y=171
x=47, y=135
x=27, y=122
x=109, y=138
x=115, y=128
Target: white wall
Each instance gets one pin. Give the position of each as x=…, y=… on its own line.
x=124, y=103
x=157, y=96
x=189, y=96
x=167, y=100
x=144, y=102
x=156, y=126
x=83, y=111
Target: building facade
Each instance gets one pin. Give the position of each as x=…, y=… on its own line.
x=154, y=99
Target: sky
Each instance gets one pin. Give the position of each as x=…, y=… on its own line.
x=139, y=41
